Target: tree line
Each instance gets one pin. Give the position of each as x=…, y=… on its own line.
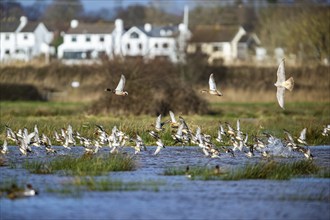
x=301, y=29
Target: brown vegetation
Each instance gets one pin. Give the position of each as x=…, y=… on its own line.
x=159, y=86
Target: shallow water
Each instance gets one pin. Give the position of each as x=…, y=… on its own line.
x=176, y=197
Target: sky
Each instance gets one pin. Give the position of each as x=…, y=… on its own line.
x=175, y=5
x=94, y=5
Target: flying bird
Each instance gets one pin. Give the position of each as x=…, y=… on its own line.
x=174, y=123
x=302, y=137
x=282, y=84
x=212, y=87
x=120, y=87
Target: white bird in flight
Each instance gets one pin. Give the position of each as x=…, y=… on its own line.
x=302, y=137
x=212, y=87
x=282, y=84
x=120, y=87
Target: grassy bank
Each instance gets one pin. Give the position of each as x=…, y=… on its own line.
x=255, y=119
x=82, y=166
x=262, y=170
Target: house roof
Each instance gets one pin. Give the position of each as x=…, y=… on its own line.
x=9, y=26
x=30, y=27
x=214, y=33
x=95, y=28
x=161, y=31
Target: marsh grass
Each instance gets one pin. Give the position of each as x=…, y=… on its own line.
x=78, y=185
x=7, y=184
x=255, y=119
x=262, y=170
x=85, y=165
x=194, y=173
x=106, y=184
x=273, y=170
x=323, y=173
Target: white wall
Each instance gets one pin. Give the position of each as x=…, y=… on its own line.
x=162, y=50
x=7, y=45
x=134, y=43
x=82, y=45
x=25, y=45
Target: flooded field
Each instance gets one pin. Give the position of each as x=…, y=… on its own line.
x=156, y=196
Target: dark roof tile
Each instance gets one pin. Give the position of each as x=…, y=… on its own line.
x=30, y=27
x=11, y=26
x=214, y=33
x=87, y=28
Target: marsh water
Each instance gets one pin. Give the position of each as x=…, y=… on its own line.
x=171, y=197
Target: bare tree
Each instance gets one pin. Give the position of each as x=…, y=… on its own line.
x=303, y=31
x=10, y=9
x=60, y=12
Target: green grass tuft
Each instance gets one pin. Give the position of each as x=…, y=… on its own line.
x=82, y=166
x=262, y=170
x=273, y=170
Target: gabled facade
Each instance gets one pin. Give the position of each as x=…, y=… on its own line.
x=152, y=42
x=222, y=43
x=33, y=40
x=24, y=40
x=8, y=39
x=85, y=41
x=89, y=42
x=134, y=43
x=82, y=42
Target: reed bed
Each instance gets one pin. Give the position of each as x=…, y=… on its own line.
x=81, y=166
x=274, y=170
x=106, y=184
x=262, y=170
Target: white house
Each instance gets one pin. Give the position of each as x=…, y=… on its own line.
x=226, y=44
x=84, y=41
x=24, y=40
x=34, y=39
x=134, y=42
x=8, y=34
x=153, y=42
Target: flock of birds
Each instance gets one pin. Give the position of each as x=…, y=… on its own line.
x=116, y=140
x=281, y=84
x=180, y=133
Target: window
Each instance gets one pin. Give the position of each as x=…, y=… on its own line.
x=217, y=48
x=156, y=45
x=88, y=38
x=7, y=52
x=25, y=36
x=101, y=38
x=7, y=36
x=74, y=39
x=165, y=45
x=128, y=46
x=140, y=46
x=134, y=35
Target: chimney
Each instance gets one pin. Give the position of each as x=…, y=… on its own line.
x=147, y=27
x=23, y=22
x=74, y=23
x=186, y=15
x=119, y=25
x=119, y=30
